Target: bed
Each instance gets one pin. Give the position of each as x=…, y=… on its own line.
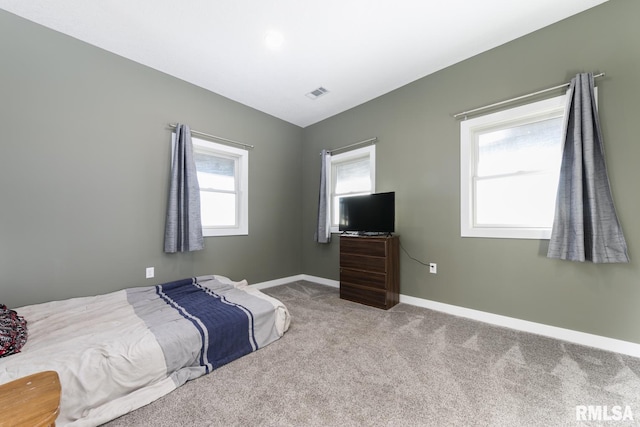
x=117, y=352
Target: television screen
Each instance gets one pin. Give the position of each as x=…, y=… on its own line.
x=371, y=213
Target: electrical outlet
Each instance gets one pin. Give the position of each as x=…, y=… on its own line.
x=150, y=272
x=433, y=268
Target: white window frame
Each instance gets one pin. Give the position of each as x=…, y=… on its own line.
x=548, y=108
x=241, y=157
x=359, y=153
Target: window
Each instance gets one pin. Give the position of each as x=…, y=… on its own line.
x=223, y=179
x=510, y=164
x=352, y=174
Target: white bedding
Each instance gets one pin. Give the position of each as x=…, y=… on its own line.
x=111, y=360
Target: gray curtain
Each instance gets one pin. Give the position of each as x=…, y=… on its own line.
x=183, y=227
x=586, y=227
x=323, y=231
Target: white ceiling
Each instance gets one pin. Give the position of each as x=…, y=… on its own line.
x=357, y=49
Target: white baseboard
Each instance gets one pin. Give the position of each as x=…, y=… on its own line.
x=322, y=281
x=590, y=340
x=285, y=280
x=582, y=338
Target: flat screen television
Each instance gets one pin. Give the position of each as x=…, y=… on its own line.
x=368, y=214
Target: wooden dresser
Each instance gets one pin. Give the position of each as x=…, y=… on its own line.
x=370, y=270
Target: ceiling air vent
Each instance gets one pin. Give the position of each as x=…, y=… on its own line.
x=317, y=93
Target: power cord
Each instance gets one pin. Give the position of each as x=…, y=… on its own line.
x=412, y=258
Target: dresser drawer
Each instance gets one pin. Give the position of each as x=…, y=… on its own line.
x=360, y=262
x=368, y=296
x=363, y=246
x=363, y=278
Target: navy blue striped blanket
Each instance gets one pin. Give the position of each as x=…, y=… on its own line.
x=224, y=322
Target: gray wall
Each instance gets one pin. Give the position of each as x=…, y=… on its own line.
x=418, y=157
x=84, y=173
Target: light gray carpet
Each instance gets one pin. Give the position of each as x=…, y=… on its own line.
x=346, y=364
